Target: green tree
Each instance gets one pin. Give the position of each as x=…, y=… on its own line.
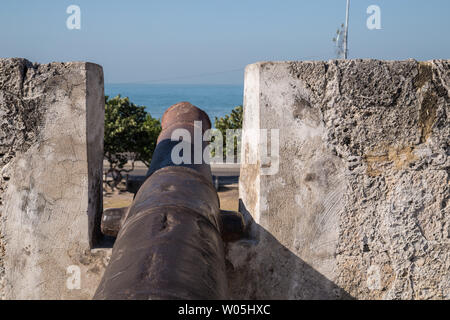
x=130, y=135
x=232, y=121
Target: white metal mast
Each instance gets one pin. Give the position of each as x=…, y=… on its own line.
x=346, y=31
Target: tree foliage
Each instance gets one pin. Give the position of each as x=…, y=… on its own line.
x=232, y=121
x=130, y=135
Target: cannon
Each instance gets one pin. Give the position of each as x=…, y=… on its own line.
x=170, y=241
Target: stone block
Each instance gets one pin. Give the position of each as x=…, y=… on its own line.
x=51, y=153
x=358, y=207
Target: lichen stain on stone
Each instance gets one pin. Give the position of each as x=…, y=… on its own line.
x=303, y=111
x=425, y=74
x=400, y=157
x=427, y=115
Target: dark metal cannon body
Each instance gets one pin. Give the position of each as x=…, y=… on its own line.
x=170, y=243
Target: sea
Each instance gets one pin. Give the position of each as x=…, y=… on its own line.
x=215, y=100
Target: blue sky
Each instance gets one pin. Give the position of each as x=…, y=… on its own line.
x=184, y=41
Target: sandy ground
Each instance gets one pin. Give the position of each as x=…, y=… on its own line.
x=228, y=195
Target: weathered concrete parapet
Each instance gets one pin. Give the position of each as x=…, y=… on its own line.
x=51, y=152
x=359, y=207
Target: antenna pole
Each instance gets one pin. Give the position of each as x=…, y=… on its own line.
x=346, y=30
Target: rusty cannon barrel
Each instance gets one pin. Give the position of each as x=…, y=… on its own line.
x=169, y=245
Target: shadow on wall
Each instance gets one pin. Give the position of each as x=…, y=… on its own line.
x=262, y=268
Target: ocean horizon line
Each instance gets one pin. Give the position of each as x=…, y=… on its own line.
x=216, y=100
x=173, y=84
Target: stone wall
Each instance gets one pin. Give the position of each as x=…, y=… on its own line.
x=51, y=152
x=355, y=204
x=359, y=205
